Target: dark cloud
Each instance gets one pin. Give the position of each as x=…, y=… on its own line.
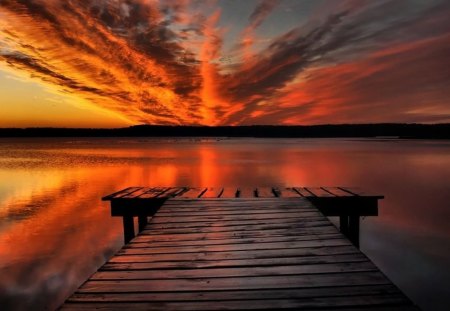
x=262, y=10
x=341, y=37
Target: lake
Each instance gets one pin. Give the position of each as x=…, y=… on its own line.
x=55, y=231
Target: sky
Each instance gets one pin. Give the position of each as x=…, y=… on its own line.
x=114, y=63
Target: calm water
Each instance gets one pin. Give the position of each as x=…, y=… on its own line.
x=55, y=231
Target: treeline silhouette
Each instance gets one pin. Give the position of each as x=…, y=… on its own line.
x=420, y=131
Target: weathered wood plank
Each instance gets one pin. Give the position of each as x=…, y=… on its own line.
x=193, y=193
x=134, y=194
x=143, y=241
x=230, y=263
x=262, y=304
x=243, y=283
x=285, y=215
x=232, y=211
x=195, y=214
x=360, y=192
x=289, y=193
x=229, y=192
x=264, y=192
x=197, y=224
x=243, y=228
x=246, y=192
x=229, y=248
x=303, y=192
x=212, y=193
x=365, y=266
x=273, y=293
x=318, y=192
x=244, y=234
x=169, y=207
x=153, y=193
x=226, y=255
x=338, y=192
x=120, y=193
x=172, y=192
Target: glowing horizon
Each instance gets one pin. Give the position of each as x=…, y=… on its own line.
x=110, y=63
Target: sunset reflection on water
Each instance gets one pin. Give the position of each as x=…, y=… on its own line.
x=55, y=231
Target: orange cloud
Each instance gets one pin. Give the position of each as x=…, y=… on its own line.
x=159, y=62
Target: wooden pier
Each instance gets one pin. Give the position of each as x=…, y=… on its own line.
x=238, y=249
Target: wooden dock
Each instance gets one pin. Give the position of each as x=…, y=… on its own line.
x=254, y=252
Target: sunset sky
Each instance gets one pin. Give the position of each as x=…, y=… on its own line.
x=112, y=63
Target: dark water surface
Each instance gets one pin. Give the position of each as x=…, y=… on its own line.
x=55, y=231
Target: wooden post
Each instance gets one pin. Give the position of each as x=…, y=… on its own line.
x=142, y=221
x=353, y=230
x=343, y=224
x=128, y=228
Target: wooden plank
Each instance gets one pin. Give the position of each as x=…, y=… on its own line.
x=153, y=193
x=364, y=266
x=217, y=225
x=240, y=295
x=276, y=192
x=242, y=228
x=212, y=193
x=135, y=194
x=229, y=217
x=244, y=234
x=206, y=212
x=230, y=210
x=289, y=193
x=234, y=202
x=246, y=212
x=143, y=241
x=243, y=283
x=193, y=193
x=302, y=191
x=260, y=304
x=383, y=301
x=360, y=192
x=230, y=263
x=246, y=192
x=318, y=192
x=227, y=255
x=120, y=193
x=180, y=207
x=282, y=246
x=232, y=247
x=264, y=192
x=338, y=192
x=172, y=192
x=229, y=192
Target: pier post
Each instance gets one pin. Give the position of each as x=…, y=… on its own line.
x=142, y=221
x=353, y=230
x=343, y=224
x=128, y=228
